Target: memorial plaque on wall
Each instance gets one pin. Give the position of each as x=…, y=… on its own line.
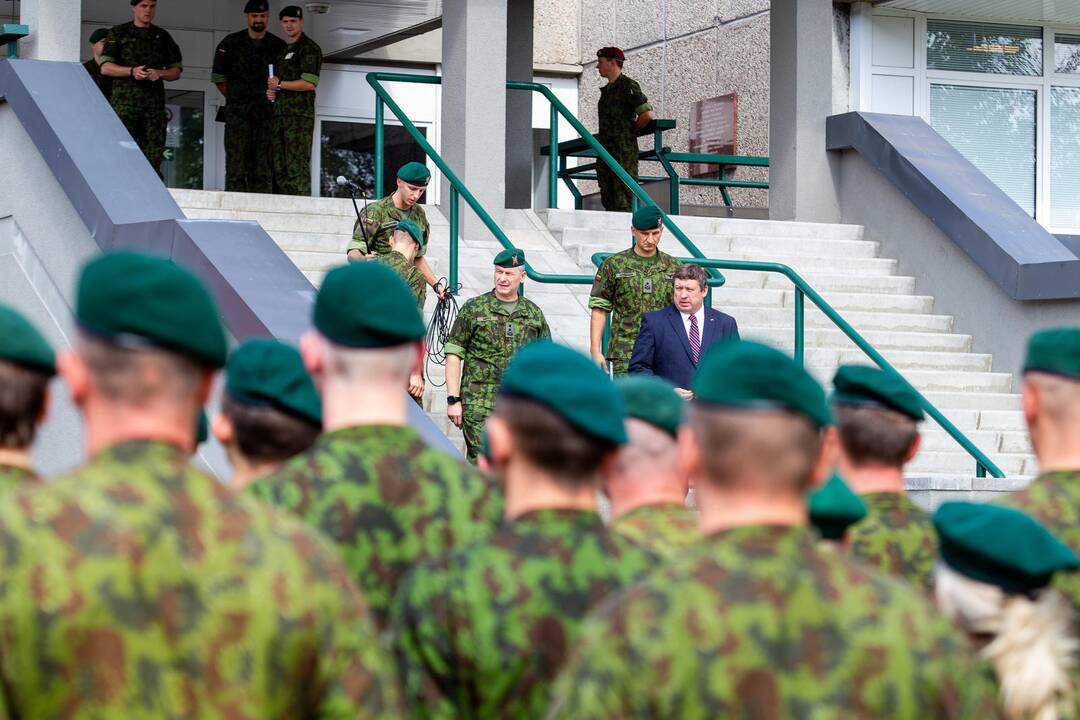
x=713, y=130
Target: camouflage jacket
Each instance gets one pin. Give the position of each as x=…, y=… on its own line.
x=483, y=632
x=139, y=587
x=664, y=529
x=242, y=63
x=103, y=82
x=130, y=46
x=486, y=336
x=410, y=274
x=387, y=499
x=757, y=622
x=620, y=103
x=896, y=537
x=628, y=285
x=13, y=479
x=379, y=219
x=300, y=61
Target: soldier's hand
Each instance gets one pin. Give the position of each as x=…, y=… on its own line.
x=416, y=385
x=153, y=74
x=599, y=359
x=454, y=413
x=272, y=83
x=439, y=290
x=140, y=73
x=355, y=255
x=684, y=394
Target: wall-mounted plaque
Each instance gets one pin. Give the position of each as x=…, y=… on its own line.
x=713, y=129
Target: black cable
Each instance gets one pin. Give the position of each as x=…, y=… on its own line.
x=438, y=329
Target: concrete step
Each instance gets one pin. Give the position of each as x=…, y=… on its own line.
x=960, y=462
x=783, y=337
x=977, y=401
x=903, y=360
x=937, y=380
x=560, y=220
x=934, y=439
x=1003, y=420
x=861, y=321
x=261, y=203
x=713, y=245
x=767, y=297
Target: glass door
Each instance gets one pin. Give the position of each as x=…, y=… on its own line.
x=185, y=138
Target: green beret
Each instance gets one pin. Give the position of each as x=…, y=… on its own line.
x=647, y=217
x=270, y=373
x=865, y=385
x=202, y=427
x=129, y=297
x=510, y=258
x=414, y=173
x=1055, y=351
x=834, y=508
x=367, y=305
x=570, y=385
x=745, y=374
x=410, y=226
x=1000, y=546
x=653, y=400
x=22, y=344
x=98, y=35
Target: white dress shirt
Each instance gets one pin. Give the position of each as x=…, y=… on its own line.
x=700, y=315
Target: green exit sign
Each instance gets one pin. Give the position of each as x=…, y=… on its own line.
x=170, y=154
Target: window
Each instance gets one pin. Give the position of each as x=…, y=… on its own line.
x=183, y=162
x=348, y=148
x=1066, y=53
x=984, y=48
x=995, y=129
x=1065, y=157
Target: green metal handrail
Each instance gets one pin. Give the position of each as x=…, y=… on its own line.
x=457, y=188
x=558, y=108
x=10, y=34
x=803, y=290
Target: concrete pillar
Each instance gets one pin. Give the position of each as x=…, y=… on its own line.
x=519, y=135
x=801, y=173
x=55, y=29
x=473, y=138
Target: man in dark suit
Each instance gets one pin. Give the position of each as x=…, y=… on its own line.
x=673, y=339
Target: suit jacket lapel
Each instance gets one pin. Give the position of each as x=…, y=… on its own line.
x=675, y=318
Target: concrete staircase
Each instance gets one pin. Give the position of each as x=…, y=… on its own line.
x=846, y=269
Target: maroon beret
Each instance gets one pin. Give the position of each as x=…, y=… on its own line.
x=613, y=53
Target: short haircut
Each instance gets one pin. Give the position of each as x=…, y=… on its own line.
x=265, y=434
x=551, y=443
x=776, y=447
x=22, y=398
x=131, y=376
x=649, y=452
x=365, y=365
x=873, y=435
x=1059, y=396
x=690, y=271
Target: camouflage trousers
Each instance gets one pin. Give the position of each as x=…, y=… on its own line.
x=614, y=194
x=619, y=366
x=147, y=129
x=292, y=154
x=248, y=134
x=473, y=418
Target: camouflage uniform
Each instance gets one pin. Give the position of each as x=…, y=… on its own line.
x=140, y=104
x=387, y=499
x=104, y=83
x=242, y=63
x=294, y=117
x=410, y=274
x=628, y=286
x=896, y=537
x=482, y=633
x=139, y=587
x=485, y=336
x=621, y=101
x=664, y=529
x=757, y=622
x=380, y=218
x=16, y=478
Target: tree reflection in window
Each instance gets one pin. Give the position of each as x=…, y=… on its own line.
x=348, y=148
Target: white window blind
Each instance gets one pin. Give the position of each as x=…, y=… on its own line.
x=994, y=128
x=1065, y=157
x=984, y=47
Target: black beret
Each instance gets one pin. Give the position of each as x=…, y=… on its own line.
x=256, y=6
x=99, y=35
x=291, y=11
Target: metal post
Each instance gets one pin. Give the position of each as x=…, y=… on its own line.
x=453, y=279
x=553, y=160
x=980, y=469
x=800, y=301
x=379, y=148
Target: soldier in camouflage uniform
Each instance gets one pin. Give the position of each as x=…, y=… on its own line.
x=646, y=488
x=877, y=416
x=1051, y=400
x=623, y=110
x=26, y=366
x=93, y=65
x=240, y=71
x=405, y=242
x=758, y=621
x=370, y=482
x=292, y=91
x=141, y=57
x=372, y=231
x=488, y=331
x=157, y=592
x=628, y=285
x=482, y=632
